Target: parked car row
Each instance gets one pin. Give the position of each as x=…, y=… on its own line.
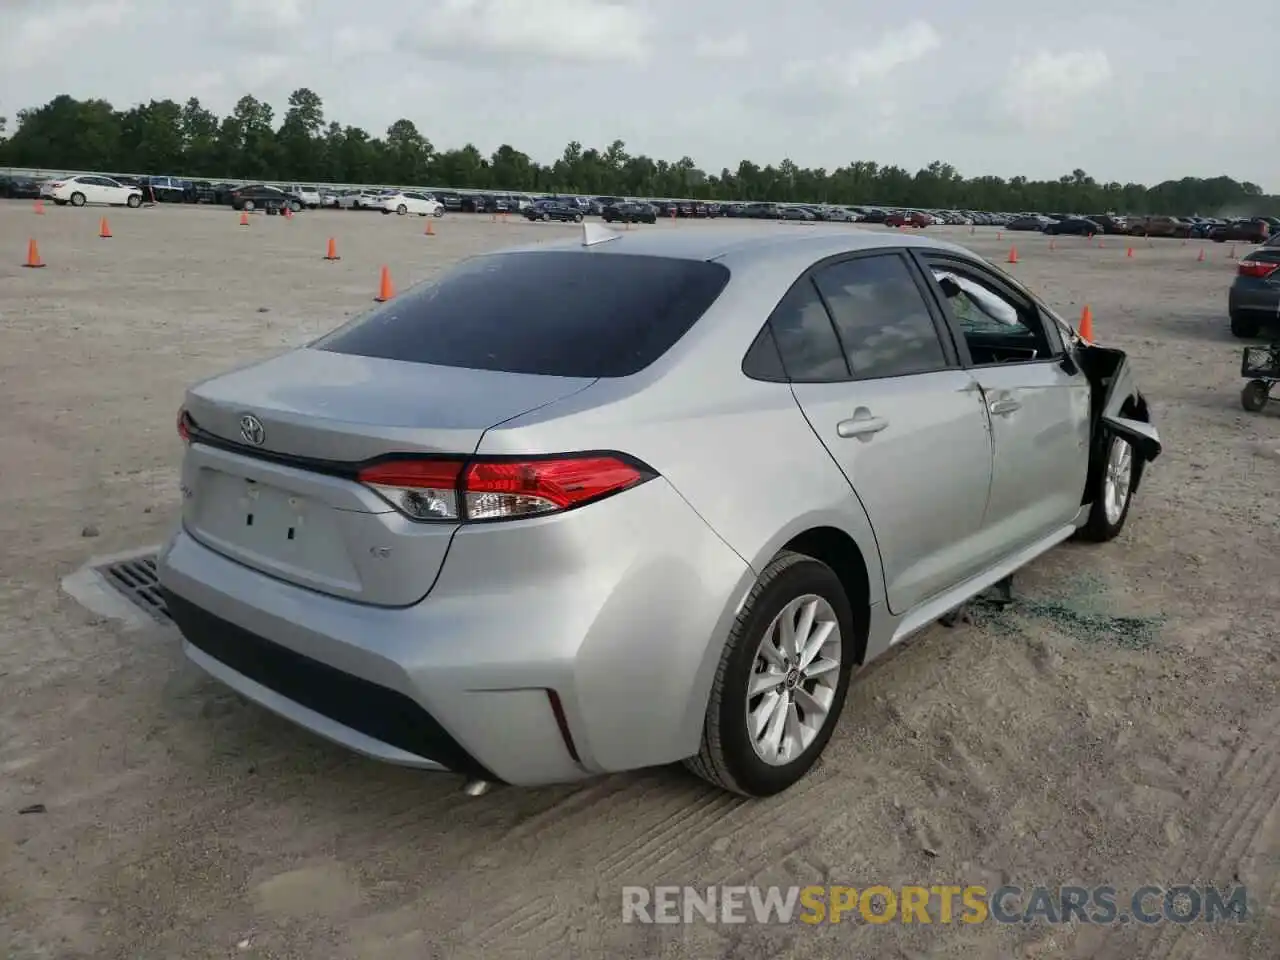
x=1238, y=229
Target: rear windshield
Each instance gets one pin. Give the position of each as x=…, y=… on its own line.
x=555, y=313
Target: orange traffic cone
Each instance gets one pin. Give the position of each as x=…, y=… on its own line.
x=244, y=219
x=288, y=213
x=1086, y=324
x=1013, y=255
x=999, y=235
x=1200, y=259
x=104, y=229
x=385, y=290
x=430, y=231
x=39, y=206
x=33, y=255
x=1128, y=252
x=1101, y=244
x=332, y=252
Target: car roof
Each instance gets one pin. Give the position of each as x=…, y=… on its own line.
x=743, y=244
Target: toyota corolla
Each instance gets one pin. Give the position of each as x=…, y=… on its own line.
x=634, y=499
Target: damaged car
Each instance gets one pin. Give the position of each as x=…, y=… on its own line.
x=630, y=499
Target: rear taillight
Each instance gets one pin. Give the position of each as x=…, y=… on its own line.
x=184, y=426
x=1257, y=268
x=499, y=489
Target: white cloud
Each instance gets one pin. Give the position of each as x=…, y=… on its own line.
x=1046, y=91
x=877, y=84
x=895, y=49
x=850, y=70
x=584, y=31
x=733, y=47
x=266, y=14
x=32, y=39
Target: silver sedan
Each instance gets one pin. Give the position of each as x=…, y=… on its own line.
x=637, y=498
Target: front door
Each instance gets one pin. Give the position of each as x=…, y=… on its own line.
x=1038, y=402
x=881, y=387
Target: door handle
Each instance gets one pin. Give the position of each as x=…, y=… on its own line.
x=861, y=424
x=1004, y=406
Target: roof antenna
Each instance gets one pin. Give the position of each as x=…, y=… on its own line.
x=593, y=233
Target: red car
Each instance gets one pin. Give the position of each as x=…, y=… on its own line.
x=908, y=218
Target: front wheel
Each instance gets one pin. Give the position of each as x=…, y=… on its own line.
x=781, y=682
x=1255, y=394
x=1112, y=493
x=439, y=212
x=577, y=218
x=134, y=201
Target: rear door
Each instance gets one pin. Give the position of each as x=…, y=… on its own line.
x=1039, y=404
x=879, y=382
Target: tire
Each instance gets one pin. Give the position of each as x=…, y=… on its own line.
x=1105, y=522
x=134, y=201
x=401, y=210
x=438, y=212
x=577, y=218
x=1244, y=327
x=729, y=756
x=248, y=206
x=77, y=199
x=1255, y=394
x=546, y=217
x=295, y=206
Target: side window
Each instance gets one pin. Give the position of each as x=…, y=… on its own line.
x=882, y=317
x=805, y=338
x=997, y=328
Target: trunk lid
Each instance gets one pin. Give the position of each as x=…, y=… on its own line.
x=289, y=505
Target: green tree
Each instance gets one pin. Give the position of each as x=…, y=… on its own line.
x=298, y=139
x=163, y=137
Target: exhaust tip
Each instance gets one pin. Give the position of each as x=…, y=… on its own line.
x=477, y=788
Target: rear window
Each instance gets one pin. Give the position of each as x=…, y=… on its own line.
x=555, y=313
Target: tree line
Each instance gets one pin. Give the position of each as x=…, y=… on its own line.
x=164, y=137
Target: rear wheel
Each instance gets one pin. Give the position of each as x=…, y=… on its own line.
x=77, y=199
x=1255, y=394
x=781, y=682
x=1243, y=326
x=401, y=210
x=577, y=218
x=248, y=206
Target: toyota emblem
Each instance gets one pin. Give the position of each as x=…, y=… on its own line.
x=251, y=431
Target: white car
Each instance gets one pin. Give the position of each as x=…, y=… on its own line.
x=409, y=201
x=361, y=200
x=310, y=196
x=80, y=190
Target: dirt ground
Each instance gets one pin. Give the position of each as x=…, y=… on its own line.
x=1119, y=726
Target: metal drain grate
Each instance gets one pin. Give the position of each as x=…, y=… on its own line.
x=136, y=580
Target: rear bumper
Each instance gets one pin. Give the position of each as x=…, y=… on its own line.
x=622, y=615
x=1254, y=296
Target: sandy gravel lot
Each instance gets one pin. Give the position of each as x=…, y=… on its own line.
x=1120, y=726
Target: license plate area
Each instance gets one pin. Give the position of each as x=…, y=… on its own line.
x=279, y=531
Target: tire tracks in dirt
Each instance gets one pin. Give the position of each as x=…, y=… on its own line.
x=1242, y=822
x=671, y=836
